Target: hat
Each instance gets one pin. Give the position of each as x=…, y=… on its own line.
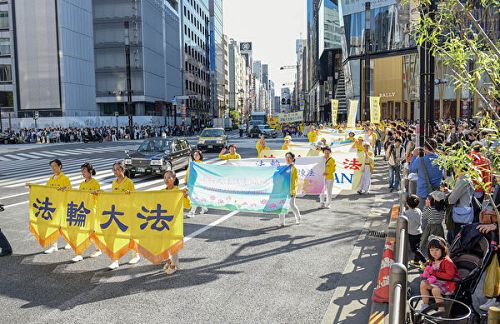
x=323, y=139
x=437, y=195
x=360, y=137
x=287, y=138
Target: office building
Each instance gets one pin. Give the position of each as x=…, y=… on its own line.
x=217, y=84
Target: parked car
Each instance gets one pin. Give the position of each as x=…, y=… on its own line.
x=266, y=130
x=212, y=139
x=157, y=155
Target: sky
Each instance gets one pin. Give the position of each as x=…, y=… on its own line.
x=272, y=26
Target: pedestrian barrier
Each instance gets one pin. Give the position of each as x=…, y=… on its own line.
x=381, y=292
x=398, y=280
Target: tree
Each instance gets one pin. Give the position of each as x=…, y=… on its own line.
x=462, y=35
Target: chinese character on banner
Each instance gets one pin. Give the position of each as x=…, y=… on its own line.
x=113, y=216
x=275, y=162
x=352, y=164
x=310, y=173
x=44, y=208
x=76, y=215
x=158, y=215
x=259, y=163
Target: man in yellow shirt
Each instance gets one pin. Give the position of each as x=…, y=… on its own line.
x=329, y=172
x=261, y=145
x=312, y=135
x=286, y=144
x=232, y=155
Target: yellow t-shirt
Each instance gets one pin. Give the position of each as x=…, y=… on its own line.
x=260, y=148
x=284, y=147
x=312, y=136
x=294, y=181
x=125, y=185
x=185, y=200
x=92, y=185
x=330, y=168
x=59, y=181
x=229, y=156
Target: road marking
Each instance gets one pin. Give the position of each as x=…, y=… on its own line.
x=15, y=157
x=207, y=227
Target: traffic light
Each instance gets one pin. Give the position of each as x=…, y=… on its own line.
x=283, y=101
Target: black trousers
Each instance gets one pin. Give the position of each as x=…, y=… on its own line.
x=415, y=247
x=4, y=244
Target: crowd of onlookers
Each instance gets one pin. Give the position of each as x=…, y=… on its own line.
x=93, y=134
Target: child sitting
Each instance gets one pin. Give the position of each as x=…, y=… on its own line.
x=414, y=228
x=441, y=268
x=433, y=216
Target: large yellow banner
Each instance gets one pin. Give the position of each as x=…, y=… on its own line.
x=335, y=111
x=148, y=222
x=353, y=111
x=375, y=110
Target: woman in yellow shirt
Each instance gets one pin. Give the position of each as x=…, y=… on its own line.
x=59, y=181
x=92, y=185
x=286, y=144
x=196, y=157
x=232, y=155
x=261, y=145
x=312, y=135
x=351, y=137
x=329, y=172
x=122, y=184
x=172, y=183
x=290, y=160
x=368, y=164
x=358, y=145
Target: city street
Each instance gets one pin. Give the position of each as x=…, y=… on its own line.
x=235, y=267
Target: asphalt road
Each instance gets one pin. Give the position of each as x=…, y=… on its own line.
x=235, y=267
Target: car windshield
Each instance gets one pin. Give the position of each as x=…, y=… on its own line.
x=155, y=145
x=264, y=127
x=212, y=133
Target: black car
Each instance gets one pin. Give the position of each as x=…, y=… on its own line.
x=157, y=155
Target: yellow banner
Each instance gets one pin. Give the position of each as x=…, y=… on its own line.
x=149, y=222
x=335, y=111
x=273, y=122
x=351, y=116
x=281, y=153
x=375, y=110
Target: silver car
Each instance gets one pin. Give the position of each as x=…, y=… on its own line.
x=157, y=155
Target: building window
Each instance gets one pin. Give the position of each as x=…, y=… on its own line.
x=5, y=73
x=4, y=46
x=4, y=19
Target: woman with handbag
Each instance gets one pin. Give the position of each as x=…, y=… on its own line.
x=461, y=198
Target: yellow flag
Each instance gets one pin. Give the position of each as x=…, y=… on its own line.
x=375, y=110
x=158, y=224
x=46, y=212
x=351, y=116
x=77, y=223
x=335, y=110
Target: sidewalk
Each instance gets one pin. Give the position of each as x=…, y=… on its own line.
x=351, y=302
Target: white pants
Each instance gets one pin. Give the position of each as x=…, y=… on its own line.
x=328, y=190
x=366, y=180
x=295, y=210
x=113, y=138
x=193, y=210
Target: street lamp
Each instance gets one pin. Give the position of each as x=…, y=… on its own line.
x=441, y=84
x=129, y=80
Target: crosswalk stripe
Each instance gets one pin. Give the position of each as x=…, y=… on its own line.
x=25, y=155
x=3, y=159
x=40, y=154
x=15, y=157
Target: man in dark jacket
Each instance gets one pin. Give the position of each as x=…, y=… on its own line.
x=5, y=247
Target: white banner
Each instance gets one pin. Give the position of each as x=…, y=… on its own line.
x=353, y=111
x=297, y=116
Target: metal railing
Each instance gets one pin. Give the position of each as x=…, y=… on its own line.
x=398, y=279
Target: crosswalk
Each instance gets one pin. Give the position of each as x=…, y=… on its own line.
x=56, y=153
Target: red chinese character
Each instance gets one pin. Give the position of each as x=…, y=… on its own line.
x=352, y=164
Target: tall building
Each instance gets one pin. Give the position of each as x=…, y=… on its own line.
x=257, y=69
x=47, y=54
x=154, y=55
x=225, y=73
x=216, y=58
x=265, y=75
x=276, y=105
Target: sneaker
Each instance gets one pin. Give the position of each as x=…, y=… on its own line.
x=114, y=265
x=488, y=304
x=169, y=267
x=67, y=247
x=96, y=253
x=51, y=250
x=203, y=210
x=359, y=192
x=135, y=259
x=190, y=215
x=423, y=307
x=297, y=221
x=328, y=206
x=78, y=258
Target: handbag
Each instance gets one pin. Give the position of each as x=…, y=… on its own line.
x=463, y=215
x=487, y=217
x=492, y=279
x=430, y=188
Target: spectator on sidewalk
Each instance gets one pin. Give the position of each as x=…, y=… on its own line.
x=378, y=143
x=433, y=216
x=414, y=228
x=395, y=156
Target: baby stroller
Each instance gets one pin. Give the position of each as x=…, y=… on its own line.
x=471, y=252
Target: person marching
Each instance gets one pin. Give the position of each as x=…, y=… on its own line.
x=287, y=143
x=92, y=185
x=261, y=145
x=232, y=155
x=312, y=135
x=197, y=157
x=61, y=182
x=122, y=184
x=368, y=164
x=329, y=172
x=290, y=160
x=172, y=183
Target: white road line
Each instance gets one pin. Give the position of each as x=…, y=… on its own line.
x=15, y=157
x=3, y=159
x=40, y=154
x=207, y=227
x=29, y=156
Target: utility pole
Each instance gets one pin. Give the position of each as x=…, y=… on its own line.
x=129, y=81
x=367, y=60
